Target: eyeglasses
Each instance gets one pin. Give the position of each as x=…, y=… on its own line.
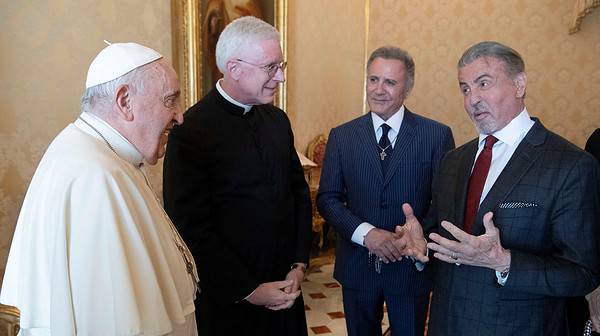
x=270, y=69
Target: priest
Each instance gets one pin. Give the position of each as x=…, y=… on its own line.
x=234, y=186
x=93, y=251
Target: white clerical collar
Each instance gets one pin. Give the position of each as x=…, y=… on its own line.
x=512, y=133
x=231, y=100
x=98, y=128
x=395, y=121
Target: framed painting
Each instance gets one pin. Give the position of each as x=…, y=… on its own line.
x=196, y=28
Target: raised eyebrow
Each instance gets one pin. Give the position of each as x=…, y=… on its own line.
x=480, y=78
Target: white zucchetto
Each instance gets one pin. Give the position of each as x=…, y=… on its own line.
x=118, y=59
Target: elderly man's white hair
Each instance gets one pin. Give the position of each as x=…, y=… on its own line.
x=239, y=35
x=95, y=98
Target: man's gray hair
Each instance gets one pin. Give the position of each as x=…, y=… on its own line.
x=239, y=35
x=95, y=97
x=395, y=53
x=513, y=62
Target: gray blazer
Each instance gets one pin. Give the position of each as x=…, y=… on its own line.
x=546, y=205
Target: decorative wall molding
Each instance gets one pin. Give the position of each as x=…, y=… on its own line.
x=581, y=9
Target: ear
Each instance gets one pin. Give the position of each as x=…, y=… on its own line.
x=123, y=101
x=521, y=83
x=406, y=93
x=234, y=69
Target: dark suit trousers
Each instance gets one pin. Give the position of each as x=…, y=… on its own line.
x=244, y=318
x=364, y=312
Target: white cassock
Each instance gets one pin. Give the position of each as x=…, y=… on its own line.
x=93, y=251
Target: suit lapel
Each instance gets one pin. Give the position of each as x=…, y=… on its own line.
x=465, y=164
x=518, y=165
x=404, y=141
x=368, y=145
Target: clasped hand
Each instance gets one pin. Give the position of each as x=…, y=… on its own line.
x=278, y=295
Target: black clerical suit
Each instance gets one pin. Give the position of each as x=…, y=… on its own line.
x=235, y=189
x=577, y=307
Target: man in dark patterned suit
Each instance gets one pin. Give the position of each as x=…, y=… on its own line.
x=515, y=213
x=372, y=165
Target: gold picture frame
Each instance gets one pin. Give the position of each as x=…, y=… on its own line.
x=581, y=9
x=188, y=54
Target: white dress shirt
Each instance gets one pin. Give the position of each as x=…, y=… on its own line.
x=509, y=139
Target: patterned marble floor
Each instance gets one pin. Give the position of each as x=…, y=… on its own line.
x=323, y=299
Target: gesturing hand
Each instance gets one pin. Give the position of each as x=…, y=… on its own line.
x=410, y=239
x=484, y=251
x=271, y=295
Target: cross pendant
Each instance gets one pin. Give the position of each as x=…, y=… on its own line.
x=382, y=155
x=378, y=262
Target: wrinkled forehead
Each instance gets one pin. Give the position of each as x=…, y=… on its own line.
x=387, y=67
x=481, y=66
x=163, y=77
x=264, y=51
x=171, y=77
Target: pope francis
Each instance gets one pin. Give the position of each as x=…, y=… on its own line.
x=93, y=251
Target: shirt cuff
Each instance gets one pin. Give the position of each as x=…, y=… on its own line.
x=246, y=298
x=501, y=280
x=361, y=231
x=420, y=266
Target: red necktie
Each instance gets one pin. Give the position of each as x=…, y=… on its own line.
x=477, y=181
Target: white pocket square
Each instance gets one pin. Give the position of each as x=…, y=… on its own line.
x=517, y=205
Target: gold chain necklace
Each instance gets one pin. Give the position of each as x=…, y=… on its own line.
x=383, y=154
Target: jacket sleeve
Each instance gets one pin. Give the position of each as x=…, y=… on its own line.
x=573, y=268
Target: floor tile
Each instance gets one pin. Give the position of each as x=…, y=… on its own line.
x=317, y=295
x=323, y=300
x=321, y=330
x=336, y=315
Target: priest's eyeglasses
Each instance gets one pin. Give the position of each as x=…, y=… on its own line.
x=270, y=69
